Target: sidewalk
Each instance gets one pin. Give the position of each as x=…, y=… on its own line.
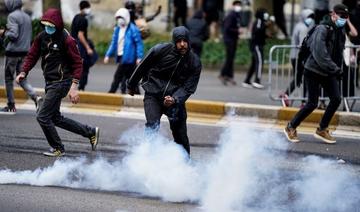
x=211, y=97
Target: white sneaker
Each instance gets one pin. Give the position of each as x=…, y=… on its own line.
x=246, y=85
x=257, y=85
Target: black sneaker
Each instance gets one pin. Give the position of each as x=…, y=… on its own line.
x=94, y=139
x=9, y=110
x=54, y=153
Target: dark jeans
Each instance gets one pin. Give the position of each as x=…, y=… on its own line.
x=228, y=68
x=12, y=68
x=257, y=61
x=180, y=15
x=49, y=115
x=122, y=74
x=84, y=77
x=176, y=114
x=313, y=82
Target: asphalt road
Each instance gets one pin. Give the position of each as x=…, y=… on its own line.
x=22, y=143
x=209, y=88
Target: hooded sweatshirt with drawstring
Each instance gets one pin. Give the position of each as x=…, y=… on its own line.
x=164, y=71
x=60, y=57
x=18, y=29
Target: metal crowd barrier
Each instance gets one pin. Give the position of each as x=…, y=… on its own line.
x=281, y=74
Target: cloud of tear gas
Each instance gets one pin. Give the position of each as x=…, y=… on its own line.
x=249, y=172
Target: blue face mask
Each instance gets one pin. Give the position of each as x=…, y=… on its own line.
x=50, y=30
x=309, y=21
x=340, y=22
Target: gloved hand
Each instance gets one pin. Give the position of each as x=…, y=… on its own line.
x=339, y=74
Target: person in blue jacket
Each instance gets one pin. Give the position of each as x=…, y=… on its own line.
x=127, y=47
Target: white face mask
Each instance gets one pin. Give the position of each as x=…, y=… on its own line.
x=87, y=11
x=266, y=16
x=121, y=22
x=237, y=8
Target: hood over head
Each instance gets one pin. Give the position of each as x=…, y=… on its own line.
x=53, y=16
x=260, y=13
x=306, y=13
x=12, y=5
x=180, y=32
x=124, y=13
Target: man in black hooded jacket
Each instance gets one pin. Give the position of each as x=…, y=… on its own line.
x=170, y=73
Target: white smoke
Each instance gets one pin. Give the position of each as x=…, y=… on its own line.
x=249, y=172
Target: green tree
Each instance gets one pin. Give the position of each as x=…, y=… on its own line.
x=51, y=4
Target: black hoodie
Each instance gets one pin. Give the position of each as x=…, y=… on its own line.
x=164, y=71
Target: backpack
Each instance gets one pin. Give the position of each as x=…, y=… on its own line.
x=304, y=51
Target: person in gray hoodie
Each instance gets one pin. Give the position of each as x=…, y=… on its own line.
x=18, y=32
x=301, y=29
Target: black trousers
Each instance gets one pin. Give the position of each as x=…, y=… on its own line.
x=257, y=61
x=228, y=68
x=49, y=115
x=313, y=82
x=180, y=15
x=298, y=78
x=122, y=74
x=84, y=77
x=176, y=114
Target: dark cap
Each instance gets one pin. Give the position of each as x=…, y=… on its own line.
x=341, y=9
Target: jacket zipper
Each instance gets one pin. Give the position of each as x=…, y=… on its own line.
x=172, y=74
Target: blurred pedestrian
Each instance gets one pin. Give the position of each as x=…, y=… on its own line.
x=321, y=9
x=127, y=47
x=278, y=9
x=18, y=32
x=62, y=66
x=180, y=12
x=141, y=20
x=323, y=68
x=256, y=44
x=170, y=73
x=231, y=32
x=301, y=29
x=79, y=31
x=214, y=11
x=199, y=32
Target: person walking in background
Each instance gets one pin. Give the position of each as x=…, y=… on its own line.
x=214, y=11
x=79, y=31
x=170, y=73
x=199, y=31
x=18, y=32
x=62, y=66
x=231, y=32
x=128, y=48
x=301, y=29
x=180, y=12
x=323, y=68
x=278, y=9
x=321, y=8
x=257, y=43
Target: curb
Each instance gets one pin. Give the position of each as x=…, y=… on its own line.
x=208, y=107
